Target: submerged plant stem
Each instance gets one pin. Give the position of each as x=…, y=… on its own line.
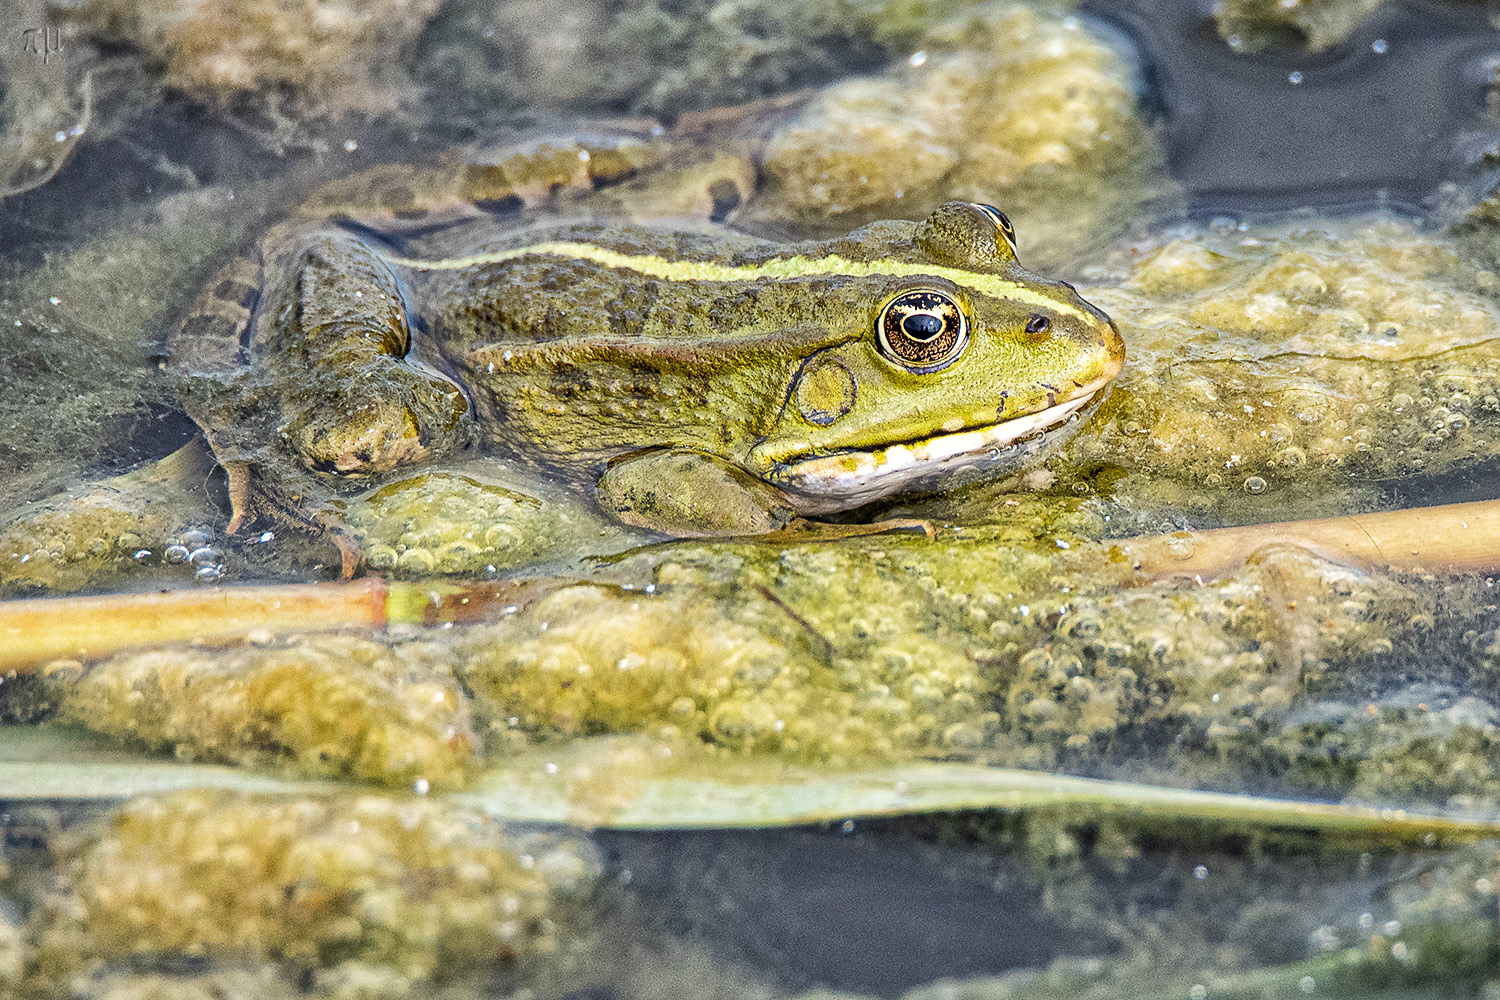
x=1454, y=538
x=34, y=632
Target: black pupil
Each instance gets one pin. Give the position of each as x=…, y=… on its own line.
x=922, y=326
x=1038, y=324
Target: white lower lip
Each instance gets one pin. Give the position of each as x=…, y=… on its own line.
x=849, y=479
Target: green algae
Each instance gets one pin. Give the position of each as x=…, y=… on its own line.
x=1000, y=653
x=80, y=333
x=392, y=893
x=119, y=527
x=1286, y=370
x=474, y=520
x=1006, y=104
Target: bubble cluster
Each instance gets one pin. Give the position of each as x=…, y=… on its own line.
x=457, y=524
x=324, y=705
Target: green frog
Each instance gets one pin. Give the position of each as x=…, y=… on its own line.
x=693, y=380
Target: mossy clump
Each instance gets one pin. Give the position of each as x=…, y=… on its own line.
x=682, y=664
x=1012, y=105
x=655, y=56
x=1267, y=359
x=299, y=58
x=1314, y=25
x=80, y=334
x=406, y=892
x=465, y=522
x=877, y=650
x=335, y=706
x=145, y=521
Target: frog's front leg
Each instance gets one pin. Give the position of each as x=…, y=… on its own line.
x=691, y=494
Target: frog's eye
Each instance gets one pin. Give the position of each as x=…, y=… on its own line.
x=1001, y=221
x=1039, y=324
x=922, y=331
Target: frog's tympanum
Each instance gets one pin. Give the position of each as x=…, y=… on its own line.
x=694, y=383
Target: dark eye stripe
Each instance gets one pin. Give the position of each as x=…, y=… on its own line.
x=922, y=331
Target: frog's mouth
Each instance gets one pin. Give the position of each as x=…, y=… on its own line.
x=848, y=479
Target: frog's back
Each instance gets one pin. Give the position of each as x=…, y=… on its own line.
x=604, y=283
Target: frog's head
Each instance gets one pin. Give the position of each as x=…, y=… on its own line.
x=967, y=365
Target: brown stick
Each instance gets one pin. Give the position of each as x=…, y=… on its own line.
x=37, y=631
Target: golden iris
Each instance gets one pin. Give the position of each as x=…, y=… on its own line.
x=923, y=331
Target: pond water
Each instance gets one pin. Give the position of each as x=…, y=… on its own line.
x=356, y=639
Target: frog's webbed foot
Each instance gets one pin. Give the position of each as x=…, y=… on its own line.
x=251, y=500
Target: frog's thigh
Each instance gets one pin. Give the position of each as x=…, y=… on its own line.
x=691, y=495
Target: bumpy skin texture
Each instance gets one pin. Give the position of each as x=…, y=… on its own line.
x=592, y=350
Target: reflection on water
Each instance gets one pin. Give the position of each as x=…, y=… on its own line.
x=1322, y=361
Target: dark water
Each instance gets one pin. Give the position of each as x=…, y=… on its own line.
x=1387, y=116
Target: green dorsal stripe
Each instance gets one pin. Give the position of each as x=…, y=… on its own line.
x=789, y=267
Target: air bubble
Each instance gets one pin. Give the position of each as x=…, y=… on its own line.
x=210, y=574
x=417, y=560
x=1255, y=486
x=1294, y=77
x=1378, y=46
x=176, y=554
x=195, y=538
x=205, y=556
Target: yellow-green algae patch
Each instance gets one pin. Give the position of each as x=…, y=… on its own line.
x=319, y=705
x=473, y=520
x=297, y=57
x=111, y=528
x=398, y=894
x=878, y=650
x=1286, y=367
x=1014, y=105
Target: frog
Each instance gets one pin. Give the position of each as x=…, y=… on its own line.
x=691, y=381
